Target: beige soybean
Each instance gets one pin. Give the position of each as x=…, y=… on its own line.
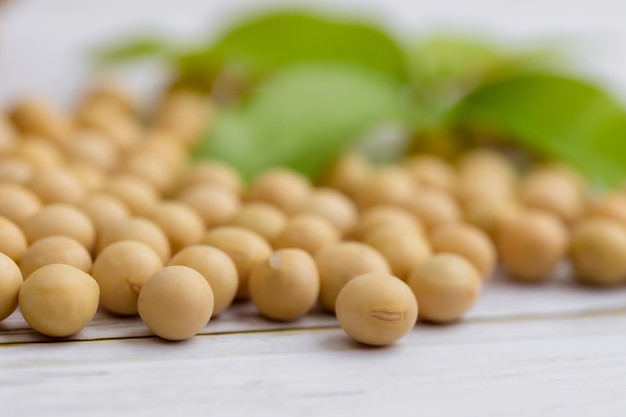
x=165, y=147
x=376, y=309
x=286, y=285
x=38, y=152
x=91, y=177
x=60, y=219
x=123, y=131
x=486, y=188
x=59, y=300
x=386, y=186
x=429, y=171
x=12, y=240
x=214, y=173
x=139, y=230
x=485, y=173
x=8, y=135
x=152, y=170
x=17, y=203
x=216, y=267
x=333, y=206
x=483, y=184
x=339, y=263
x=263, y=218
x=17, y=170
x=113, y=96
x=175, y=302
x=488, y=213
x=55, y=250
x=598, y=252
x=348, y=173
x=139, y=196
x=120, y=270
x=283, y=188
x=434, y=208
x=570, y=173
x=386, y=216
x=554, y=192
x=308, y=232
x=531, y=245
x=215, y=205
x=245, y=248
x=468, y=242
x=402, y=248
x=36, y=116
x=182, y=225
x=96, y=111
x=488, y=162
x=186, y=114
x=610, y=206
x=10, y=284
x=56, y=185
x=93, y=148
x=446, y=287
x=104, y=210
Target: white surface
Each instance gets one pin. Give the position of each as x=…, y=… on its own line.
x=555, y=350
x=566, y=367
x=45, y=45
x=501, y=301
x=523, y=351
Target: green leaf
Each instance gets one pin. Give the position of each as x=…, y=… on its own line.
x=449, y=58
x=302, y=117
x=557, y=117
x=270, y=42
x=455, y=62
x=136, y=49
x=446, y=67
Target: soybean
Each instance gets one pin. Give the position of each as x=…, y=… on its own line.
x=59, y=300
x=175, y=302
x=245, y=248
x=286, y=285
x=121, y=269
x=10, y=283
x=339, y=263
x=446, y=286
x=216, y=267
x=376, y=309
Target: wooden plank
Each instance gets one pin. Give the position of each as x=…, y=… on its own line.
x=558, y=367
x=241, y=317
x=559, y=296
x=501, y=299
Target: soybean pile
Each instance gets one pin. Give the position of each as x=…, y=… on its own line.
x=105, y=208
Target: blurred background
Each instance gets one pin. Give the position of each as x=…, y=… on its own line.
x=45, y=45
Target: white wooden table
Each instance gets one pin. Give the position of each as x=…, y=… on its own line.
x=548, y=350
x=528, y=351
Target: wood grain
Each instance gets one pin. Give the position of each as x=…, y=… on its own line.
x=554, y=350
x=568, y=367
x=502, y=300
